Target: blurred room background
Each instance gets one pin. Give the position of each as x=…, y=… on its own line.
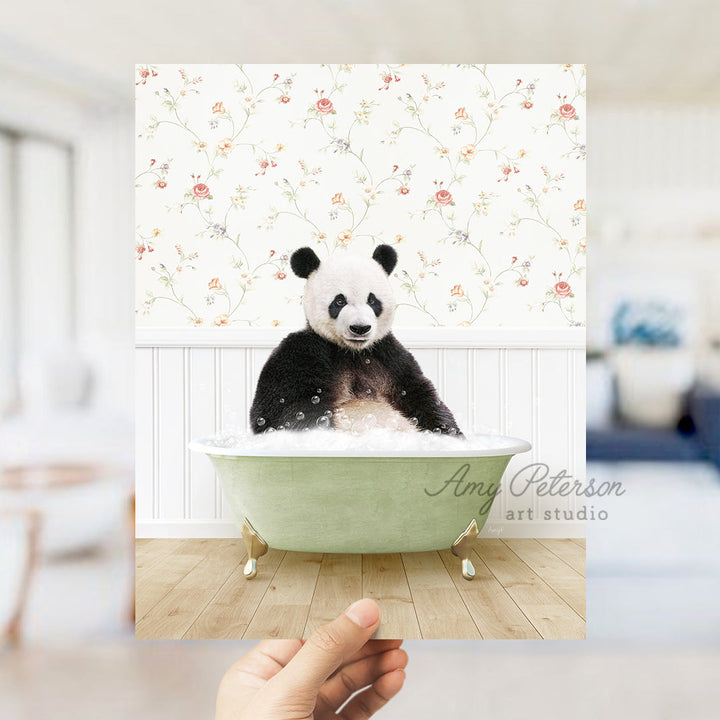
x=66, y=344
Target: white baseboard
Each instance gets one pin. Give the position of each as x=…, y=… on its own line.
x=228, y=529
x=186, y=529
x=535, y=529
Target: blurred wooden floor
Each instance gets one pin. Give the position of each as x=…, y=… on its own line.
x=522, y=589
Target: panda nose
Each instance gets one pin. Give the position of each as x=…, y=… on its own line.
x=360, y=329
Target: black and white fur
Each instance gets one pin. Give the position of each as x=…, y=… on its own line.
x=346, y=370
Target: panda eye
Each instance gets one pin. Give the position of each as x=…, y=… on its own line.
x=340, y=301
x=375, y=304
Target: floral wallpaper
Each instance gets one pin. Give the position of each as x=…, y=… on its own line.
x=474, y=173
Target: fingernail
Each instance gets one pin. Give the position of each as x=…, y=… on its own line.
x=364, y=613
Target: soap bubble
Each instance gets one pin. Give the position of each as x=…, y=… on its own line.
x=328, y=413
x=367, y=361
x=325, y=435
x=403, y=393
x=314, y=399
x=299, y=416
x=368, y=391
x=413, y=421
x=282, y=400
x=319, y=390
x=261, y=421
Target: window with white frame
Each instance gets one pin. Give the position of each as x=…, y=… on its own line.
x=37, y=278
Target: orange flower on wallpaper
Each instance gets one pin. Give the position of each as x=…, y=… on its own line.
x=225, y=146
x=580, y=206
x=461, y=114
x=338, y=199
x=218, y=107
x=468, y=152
x=345, y=237
x=214, y=284
x=457, y=291
x=222, y=320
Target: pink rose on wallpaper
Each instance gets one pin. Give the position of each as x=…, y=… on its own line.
x=280, y=275
x=443, y=197
x=527, y=104
x=522, y=282
x=284, y=99
x=161, y=184
x=567, y=111
x=562, y=289
x=324, y=106
x=201, y=191
x=403, y=190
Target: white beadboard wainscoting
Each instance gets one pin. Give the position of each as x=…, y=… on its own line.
x=526, y=382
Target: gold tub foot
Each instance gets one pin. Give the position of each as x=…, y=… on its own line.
x=463, y=548
x=256, y=547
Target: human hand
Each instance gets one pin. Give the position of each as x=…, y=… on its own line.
x=297, y=680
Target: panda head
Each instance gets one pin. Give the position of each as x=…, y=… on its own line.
x=348, y=299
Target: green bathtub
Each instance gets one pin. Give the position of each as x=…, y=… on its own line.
x=334, y=502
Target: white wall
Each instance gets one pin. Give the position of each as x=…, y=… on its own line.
x=524, y=382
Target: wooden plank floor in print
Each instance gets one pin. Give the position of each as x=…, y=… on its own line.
x=522, y=589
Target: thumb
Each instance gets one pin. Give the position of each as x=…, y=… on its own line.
x=328, y=647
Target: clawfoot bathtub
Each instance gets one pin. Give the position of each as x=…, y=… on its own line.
x=337, y=501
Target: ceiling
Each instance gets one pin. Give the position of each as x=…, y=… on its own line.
x=637, y=51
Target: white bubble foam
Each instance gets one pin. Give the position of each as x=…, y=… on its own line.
x=372, y=441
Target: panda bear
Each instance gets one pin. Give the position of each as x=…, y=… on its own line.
x=346, y=370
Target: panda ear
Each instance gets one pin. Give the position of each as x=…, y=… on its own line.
x=304, y=261
x=386, y=256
